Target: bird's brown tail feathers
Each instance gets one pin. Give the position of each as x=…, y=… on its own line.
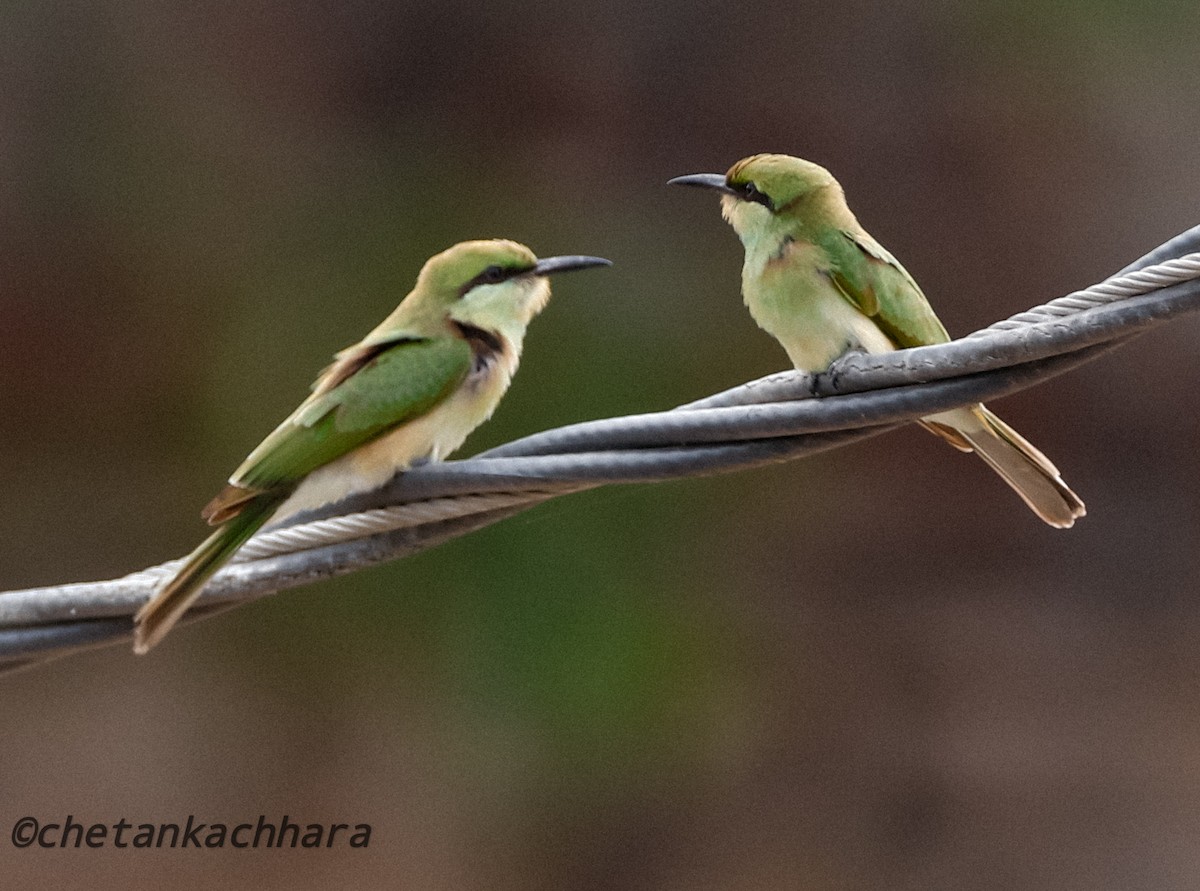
x=159, y=615
x=1015, y=459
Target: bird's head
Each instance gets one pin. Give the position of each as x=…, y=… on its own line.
x=494, y=285
x=766, y=192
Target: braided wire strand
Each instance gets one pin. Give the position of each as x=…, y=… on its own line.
x=1123, y=285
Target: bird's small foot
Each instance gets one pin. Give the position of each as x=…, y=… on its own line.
x=829, y=380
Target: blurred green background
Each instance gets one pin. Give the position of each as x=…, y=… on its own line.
x=871, y=669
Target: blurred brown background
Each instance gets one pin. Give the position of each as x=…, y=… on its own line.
x=873, y=669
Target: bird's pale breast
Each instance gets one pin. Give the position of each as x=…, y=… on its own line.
x=794, y=300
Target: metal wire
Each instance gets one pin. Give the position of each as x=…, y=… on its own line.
x=773, y=419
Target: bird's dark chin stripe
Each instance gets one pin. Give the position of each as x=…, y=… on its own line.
x=480, y=339
x=486, y=346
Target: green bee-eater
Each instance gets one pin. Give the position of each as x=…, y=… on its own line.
x=817, y=282
x=412, y=389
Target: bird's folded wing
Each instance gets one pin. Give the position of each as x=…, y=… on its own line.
x=387, y=385
x=874, y=281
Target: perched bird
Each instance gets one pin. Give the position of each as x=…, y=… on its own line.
x=820, y=285
x=412, y=389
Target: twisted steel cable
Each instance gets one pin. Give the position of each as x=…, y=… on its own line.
x=773, y=419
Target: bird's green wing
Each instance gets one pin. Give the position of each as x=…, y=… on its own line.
x=874, y=281
x=365, y=394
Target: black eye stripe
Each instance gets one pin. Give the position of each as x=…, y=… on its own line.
x=493, y=275
x=750, y=192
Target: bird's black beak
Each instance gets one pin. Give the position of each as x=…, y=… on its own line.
x=566, y=264
x=714, y=181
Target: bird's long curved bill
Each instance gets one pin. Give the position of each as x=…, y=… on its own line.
x=715, y=181
x=566, y=264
